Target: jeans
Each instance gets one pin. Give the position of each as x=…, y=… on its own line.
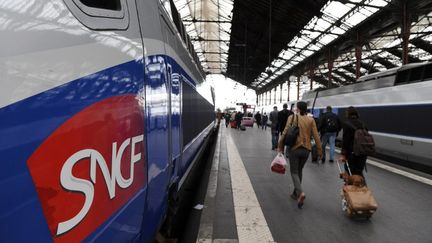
x=297, y=160
x=275, y=138
x=328, y=137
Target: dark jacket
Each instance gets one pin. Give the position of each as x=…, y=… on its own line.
x=264, y=119
x=258, y=117
x=227, y=117
x=274, y=119
x=282, y=118
x=322, y=124
x=238, y=117
x=348, y=134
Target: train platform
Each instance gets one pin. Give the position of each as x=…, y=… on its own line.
x=246, y=202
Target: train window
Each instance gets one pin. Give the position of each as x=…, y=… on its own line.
x=100, y=14
x=103, y=4
x=416, y=74
x=402, y=76
x=427, y=75
x=194, y=105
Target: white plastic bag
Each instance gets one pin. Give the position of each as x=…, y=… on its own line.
x=278, y=165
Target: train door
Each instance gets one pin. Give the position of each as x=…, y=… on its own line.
x=157, y=84
x=174, y=81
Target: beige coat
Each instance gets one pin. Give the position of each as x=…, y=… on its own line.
x=307, y=129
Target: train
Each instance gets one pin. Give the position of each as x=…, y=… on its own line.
x=104, y=113
x=395, y=105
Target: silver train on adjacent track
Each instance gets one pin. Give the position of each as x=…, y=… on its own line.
x=396, y=105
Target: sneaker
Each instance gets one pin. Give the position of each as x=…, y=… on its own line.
x=323, y=161
x=331, y=161
x=300, y=200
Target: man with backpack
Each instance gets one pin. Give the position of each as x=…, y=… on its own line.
x=283, y=117
x=357, y=143
x=329, y=126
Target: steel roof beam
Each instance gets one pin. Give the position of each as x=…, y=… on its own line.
x=422, y=44
x=370, y=68
x=349, y=69
x=348, y=78
x=386, y=63
x=399, y=54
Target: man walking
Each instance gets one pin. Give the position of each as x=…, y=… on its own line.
x=283, y=117
x=329, y=126
x=258, y=119
x=274, y=127
x=238, y=119
x=264, y=121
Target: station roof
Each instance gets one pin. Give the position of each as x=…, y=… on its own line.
x=262, y=43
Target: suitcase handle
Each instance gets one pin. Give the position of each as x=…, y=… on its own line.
x=340, y=169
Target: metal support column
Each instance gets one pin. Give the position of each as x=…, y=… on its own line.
x=288, y=83
x=311, y=75
x=275, y=96
x=406, y=32
x=330, y=67
x=358, y=55
x=298, y=87
x=280, y=96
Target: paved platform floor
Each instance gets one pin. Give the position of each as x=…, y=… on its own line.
x=252, y=204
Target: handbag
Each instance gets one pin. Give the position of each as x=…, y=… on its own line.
x=292, y=133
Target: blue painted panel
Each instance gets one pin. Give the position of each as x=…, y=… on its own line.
x=157, y=143
x=25, y=125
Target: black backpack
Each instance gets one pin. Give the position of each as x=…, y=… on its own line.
x=364, y=144
x=331, y=123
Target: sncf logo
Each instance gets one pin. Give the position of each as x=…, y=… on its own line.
x=72, y=183
x=90, y=166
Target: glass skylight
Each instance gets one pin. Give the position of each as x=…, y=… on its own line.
x=200, y=31
x=335, y=20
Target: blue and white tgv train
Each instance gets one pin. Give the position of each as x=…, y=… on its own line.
x=103, y=110
x=396, y=106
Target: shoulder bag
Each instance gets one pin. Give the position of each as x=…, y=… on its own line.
x=292, y=133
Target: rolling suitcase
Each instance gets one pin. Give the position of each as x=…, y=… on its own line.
x=314, y=153
x=357, y=199
x=242, y=127
x=233, y=124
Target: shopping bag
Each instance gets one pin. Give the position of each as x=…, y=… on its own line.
x=278, y=164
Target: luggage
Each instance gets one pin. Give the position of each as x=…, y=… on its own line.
x=242, y=127
x=233, y=124
x=314, y=153
x=357, y=199
x=278, y=164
